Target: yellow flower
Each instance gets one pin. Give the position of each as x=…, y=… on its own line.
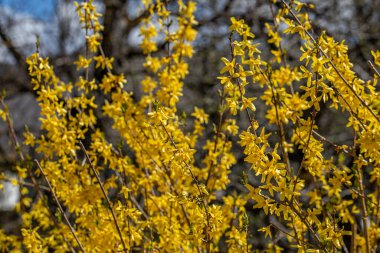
x=247, y=103
x=103, y=62
x=82, y=62
x=200, y=115
x=376, y=57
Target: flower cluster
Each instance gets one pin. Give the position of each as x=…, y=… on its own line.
x=156, y=191
x=327, y=196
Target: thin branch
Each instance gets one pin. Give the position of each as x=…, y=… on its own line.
x=37, y=187
x=105, y=194
x=308, y=138
x=374, y=68
x=331, y=62
x=353, y=238
x=201, y=194
x=21, y=182
x=11, y=130
x=364, y=209
x=218, y=133
x=12, y=48
x=166, y=172
x=292, y=236
x=59, y=206
x=280, y=126
x=308, y=225
x=250, y=118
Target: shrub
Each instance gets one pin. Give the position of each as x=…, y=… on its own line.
x=159, y=188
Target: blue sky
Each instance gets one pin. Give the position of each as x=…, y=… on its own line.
x=41, y=9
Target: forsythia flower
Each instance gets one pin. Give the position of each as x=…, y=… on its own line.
x=82, y=62
x=160, y=186
x=200, y=115
x=376, y=57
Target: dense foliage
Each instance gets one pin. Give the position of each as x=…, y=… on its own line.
x=159, y=187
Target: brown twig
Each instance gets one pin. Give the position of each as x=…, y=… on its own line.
x=374, y=68
x=21, y=182
x=11, y=130
x=308, y=225
x=36, y=186
x=377, y=209
x=166, y=172
x=250, y=118
x=280, y=127
x=201, y=194
x=331, y=62
x=353, y=238
x=276, y=28
x=87, y=51
x=217, y=135
x=104, y=194
x=363, y=208
x=308, y=137
x=59, y=206
x=292, y=236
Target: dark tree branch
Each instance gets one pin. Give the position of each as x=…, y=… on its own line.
x=12, y=48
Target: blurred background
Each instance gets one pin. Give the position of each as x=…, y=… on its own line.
x=57, y=25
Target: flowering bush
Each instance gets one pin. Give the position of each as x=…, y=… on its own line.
x=162, y=195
